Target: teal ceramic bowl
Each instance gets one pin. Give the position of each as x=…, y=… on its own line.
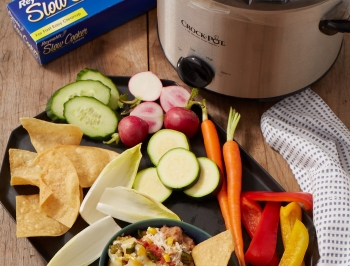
x=197, y=234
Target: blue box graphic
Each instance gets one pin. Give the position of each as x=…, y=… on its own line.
x=51, y=28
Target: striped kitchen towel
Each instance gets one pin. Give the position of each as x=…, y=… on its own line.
x=316, y=145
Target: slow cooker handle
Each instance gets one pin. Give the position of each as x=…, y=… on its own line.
x=331, y=27
x=337, y=19
x=194, y=71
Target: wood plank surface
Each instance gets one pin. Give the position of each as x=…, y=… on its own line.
x=26, y=86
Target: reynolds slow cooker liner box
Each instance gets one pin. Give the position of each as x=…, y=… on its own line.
x=51, y=28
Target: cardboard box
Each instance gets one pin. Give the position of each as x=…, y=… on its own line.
x=51, y=28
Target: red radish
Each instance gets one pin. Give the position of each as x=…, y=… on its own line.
x=183, y=119
x=132, y=130
x=173, y=96
x=145, y=86
x=152, y=113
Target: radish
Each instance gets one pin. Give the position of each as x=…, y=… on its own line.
x=152, y=113
x=173, y=96
x=183, y=119
x=144, y=86
x=132, y=130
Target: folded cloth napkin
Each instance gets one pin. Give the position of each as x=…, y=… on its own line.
x=316, y=145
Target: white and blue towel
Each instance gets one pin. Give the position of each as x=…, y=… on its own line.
x=316, y=145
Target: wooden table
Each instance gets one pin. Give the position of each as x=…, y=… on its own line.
x=26, y=86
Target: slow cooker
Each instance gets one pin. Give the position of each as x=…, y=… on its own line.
x=252, y=49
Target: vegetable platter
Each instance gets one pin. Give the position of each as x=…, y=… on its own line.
x=203, y=214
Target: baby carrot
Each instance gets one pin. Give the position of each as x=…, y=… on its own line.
x=233, y=165
x=213, y=150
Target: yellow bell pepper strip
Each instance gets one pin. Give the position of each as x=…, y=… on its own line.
x=301, y=197
x=288, y=215
x=296, y=247
x=251, y=213
x=263, y=245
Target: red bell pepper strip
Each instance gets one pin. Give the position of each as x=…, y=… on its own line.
x=263, y=245
x=251, y=213
x=276, y=260
x=301, y=197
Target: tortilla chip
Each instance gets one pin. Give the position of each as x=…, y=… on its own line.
x=215, y=251
x=61, y=178
x=22, y=168
x=88, y=161
x=45, y=192
x=45, y=135
x=81, y=191
x=31, y=221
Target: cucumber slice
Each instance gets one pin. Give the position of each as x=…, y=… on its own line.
x=178, y=169
x=163, y=141
x=93, y=74
x=96, y=120
x=209, y=181
x=92, y=88
x=147, y=182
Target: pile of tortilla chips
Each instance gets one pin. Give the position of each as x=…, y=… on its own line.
x=60, y=168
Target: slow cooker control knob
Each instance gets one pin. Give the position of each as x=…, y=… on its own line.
x=194, y=71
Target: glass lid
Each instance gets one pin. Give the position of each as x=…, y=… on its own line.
x=270, y=5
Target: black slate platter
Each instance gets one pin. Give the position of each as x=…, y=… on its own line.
x=205, y=214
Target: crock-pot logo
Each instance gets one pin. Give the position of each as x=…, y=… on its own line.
x=214, y=40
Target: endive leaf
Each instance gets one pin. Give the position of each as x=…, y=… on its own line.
x=86, y=247
x=121, y=171
x=129, y=205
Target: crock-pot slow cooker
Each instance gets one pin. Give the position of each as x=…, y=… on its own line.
x=251, y=49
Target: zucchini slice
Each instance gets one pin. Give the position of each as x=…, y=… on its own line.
x=209, y=181
x=163, y=141
x=178, y=169
x=96, y=120
x=147, y=182
x=93, y=74
x=92, y=88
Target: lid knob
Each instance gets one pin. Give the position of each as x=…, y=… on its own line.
x=194, y=71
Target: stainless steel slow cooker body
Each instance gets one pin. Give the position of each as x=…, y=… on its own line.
x=262, y=50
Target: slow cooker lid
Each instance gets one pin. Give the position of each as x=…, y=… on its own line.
x=267, y=5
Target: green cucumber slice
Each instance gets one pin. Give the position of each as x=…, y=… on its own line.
x=93, y=74
x=92, y=88
x=147, y=182
x=178, y=169
x=96, y=120
x=209, y=181
x=163, y=141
